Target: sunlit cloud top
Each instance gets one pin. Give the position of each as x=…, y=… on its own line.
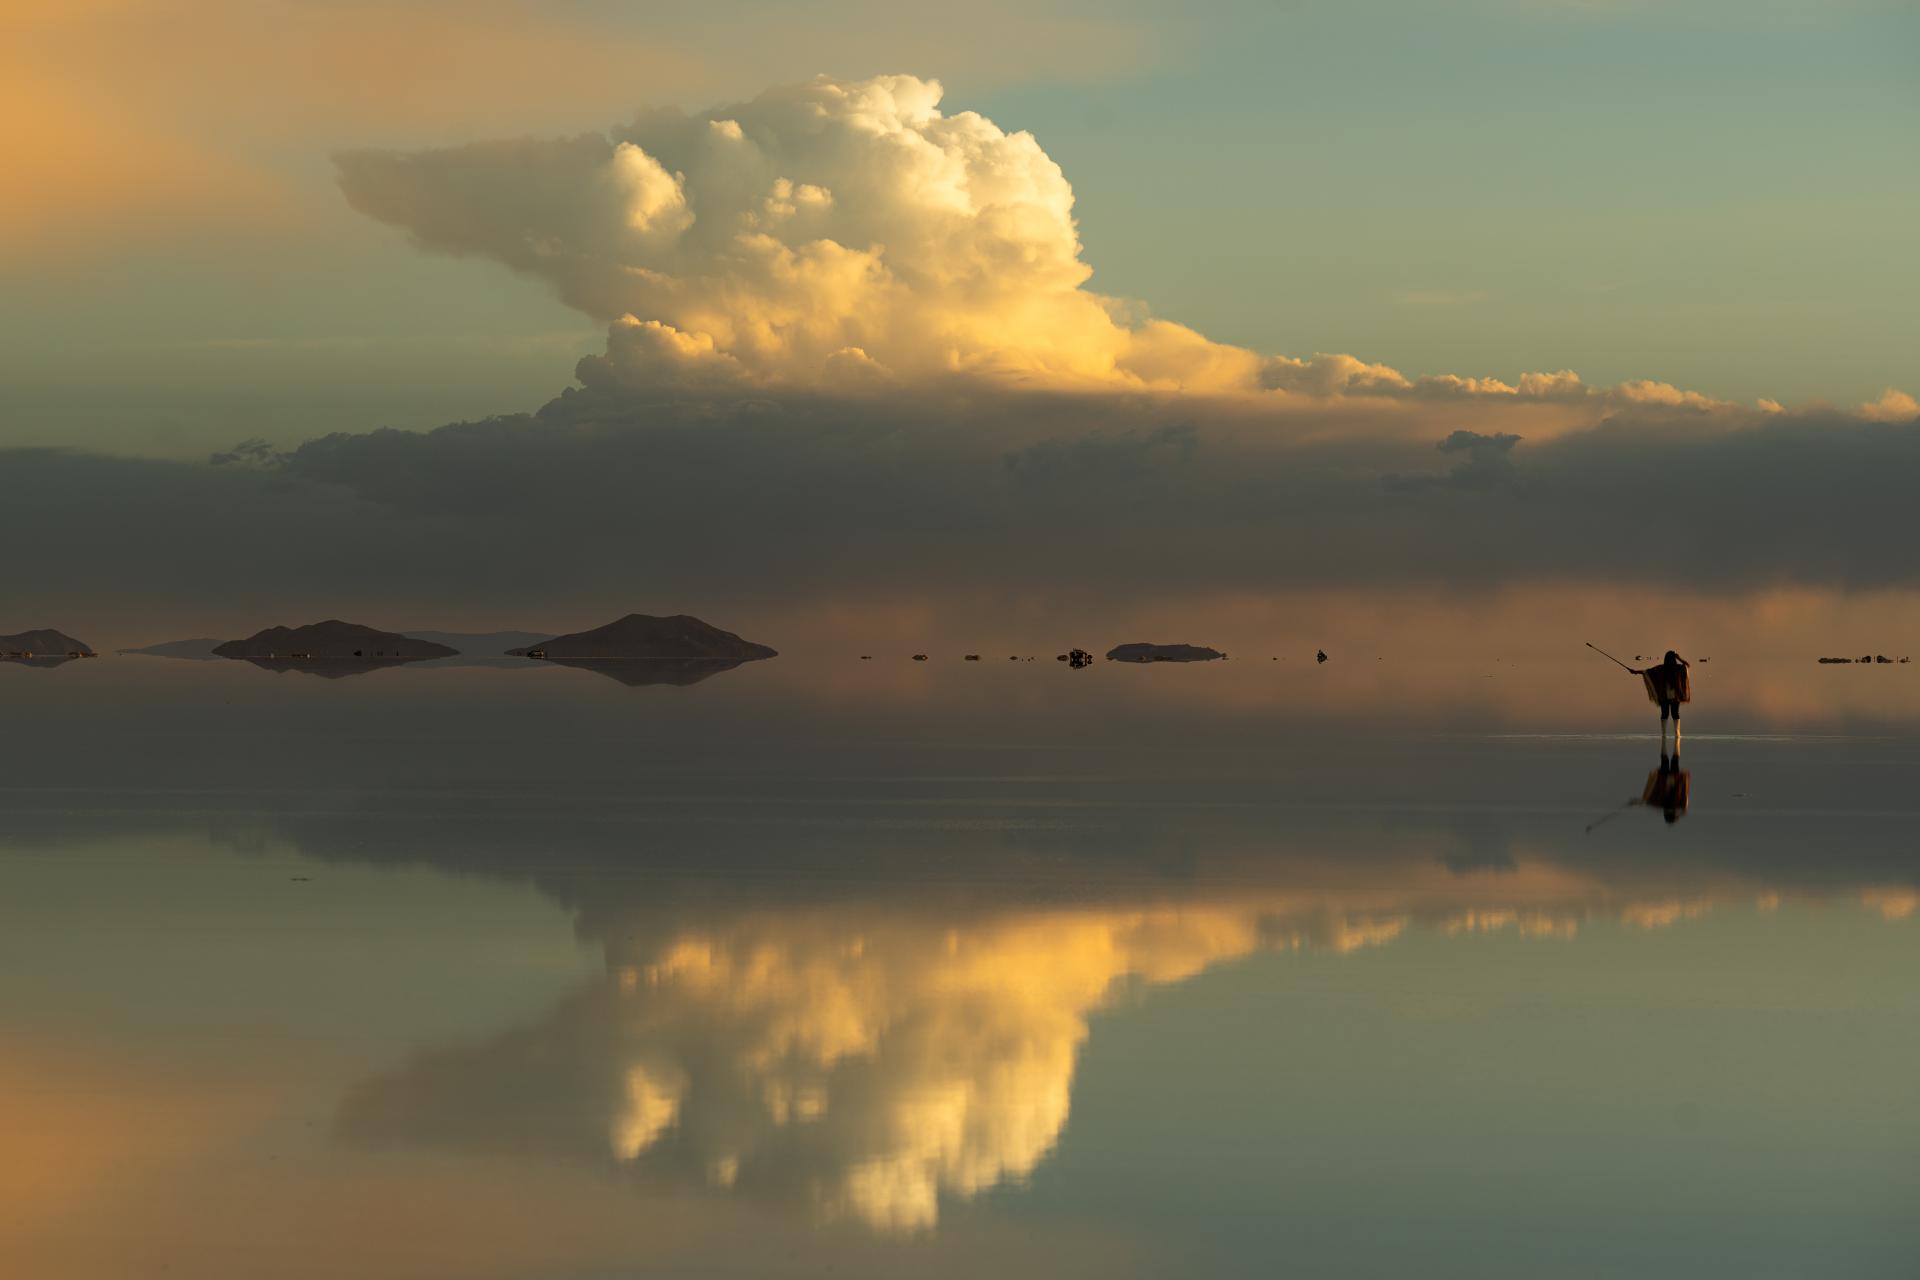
x=825, y=232
x=838, y=235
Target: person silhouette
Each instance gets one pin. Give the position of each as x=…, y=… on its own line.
x=1669, y=685
x=1667, y=787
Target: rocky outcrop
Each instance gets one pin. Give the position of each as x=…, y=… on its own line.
x=679, y=638
x=332, y=641
x=44, y=643
x=1143, y=652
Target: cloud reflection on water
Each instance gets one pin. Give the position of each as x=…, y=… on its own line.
x=872, y=1061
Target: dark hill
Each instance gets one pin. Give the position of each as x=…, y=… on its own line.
x=638, y=635
x=1162, y=653
x=332, y=640
x=44, y=643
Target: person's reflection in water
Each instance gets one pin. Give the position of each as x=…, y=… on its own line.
x=1666, y=788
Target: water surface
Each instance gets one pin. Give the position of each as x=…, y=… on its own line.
x=818, y=967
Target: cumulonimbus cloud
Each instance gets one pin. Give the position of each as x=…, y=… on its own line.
x=841, y=236
x=825, y=232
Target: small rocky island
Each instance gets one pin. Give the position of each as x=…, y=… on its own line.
x=1162, y=653
x=643, y=637
x=331, y=641
x=44, y=643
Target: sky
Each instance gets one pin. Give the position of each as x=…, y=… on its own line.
x=1258, y=298
x=1708, y=193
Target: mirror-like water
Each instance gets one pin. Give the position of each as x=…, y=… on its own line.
x=820, y=969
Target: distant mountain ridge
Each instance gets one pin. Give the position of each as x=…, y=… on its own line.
x=333, y=640
x=680, y=637
x=43, y=643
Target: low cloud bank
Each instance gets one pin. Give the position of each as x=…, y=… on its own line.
x=1130, y=493
x=600, y=495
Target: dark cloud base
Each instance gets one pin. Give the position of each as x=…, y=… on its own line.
x=600, y=496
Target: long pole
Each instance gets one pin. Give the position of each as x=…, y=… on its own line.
x=1610, y=816
x=1603, y=653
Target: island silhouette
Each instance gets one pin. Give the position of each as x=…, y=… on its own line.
x=1144, y=652
x=643, y=637
x=475, y=646
x=332, y=648
x=641, y=649
x=42, y=648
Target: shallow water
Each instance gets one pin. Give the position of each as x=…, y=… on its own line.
x=818, y=967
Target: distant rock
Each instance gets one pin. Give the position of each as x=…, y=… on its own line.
x=44, y=643
x=919, y=657
x=1319, y=655
x=971, y=657
x=201, y=650
x=1143, y=652
x=1075, y=658
x=1829, y=662
x=680, y=638
x=332, y=641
